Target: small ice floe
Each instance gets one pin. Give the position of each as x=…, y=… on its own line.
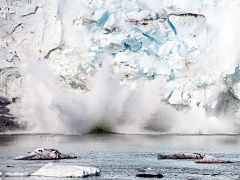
x=66, y=171
x=203, y=158
x=150, y=175
x=210, y=159
x=45, y=154
x=0, y=174
x=181, y=156
x=17, y=174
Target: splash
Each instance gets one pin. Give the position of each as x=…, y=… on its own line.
x=128, y=66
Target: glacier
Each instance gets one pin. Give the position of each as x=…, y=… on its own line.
x=130, y=66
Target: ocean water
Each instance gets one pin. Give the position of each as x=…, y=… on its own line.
x=123, y=156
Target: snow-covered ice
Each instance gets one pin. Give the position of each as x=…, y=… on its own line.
x=45, y=154
x=16, y=174
x=61, y=171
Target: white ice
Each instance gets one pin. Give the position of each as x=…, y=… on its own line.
x=16, y=174
x=61, y=171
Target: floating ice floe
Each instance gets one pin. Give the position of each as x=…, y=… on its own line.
x=45, y=154
x=17, y=174
x=210, y=159
x=0, y=174
x=66, y=171
x=202, y=157
x=181, y=156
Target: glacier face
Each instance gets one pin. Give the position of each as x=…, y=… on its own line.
x=129, y=66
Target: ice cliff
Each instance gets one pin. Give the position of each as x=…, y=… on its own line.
x=162, y=58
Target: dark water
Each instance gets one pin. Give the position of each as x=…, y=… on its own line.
x=123, y=156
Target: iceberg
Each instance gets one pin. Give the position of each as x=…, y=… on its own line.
x=67, y=171
x=45, y=154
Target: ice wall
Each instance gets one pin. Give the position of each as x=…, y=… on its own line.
x=129, y=66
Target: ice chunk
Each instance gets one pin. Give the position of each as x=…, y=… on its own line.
x=45, y=154
x=182, y=156
x=203, y=158
x=210, y=159
x=132, y=44
x=150, y=175
x=16, y=174
x=61, y=171
x=0, y=174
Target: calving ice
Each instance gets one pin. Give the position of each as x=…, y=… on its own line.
x=121, y=66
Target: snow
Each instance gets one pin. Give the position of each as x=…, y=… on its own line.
x=61, y=171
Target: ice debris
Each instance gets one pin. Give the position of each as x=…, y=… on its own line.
x=181, y=156
x=67, y=171
x=17, y=174
x=203, y=158
x=210, y=159
x=45, y=154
